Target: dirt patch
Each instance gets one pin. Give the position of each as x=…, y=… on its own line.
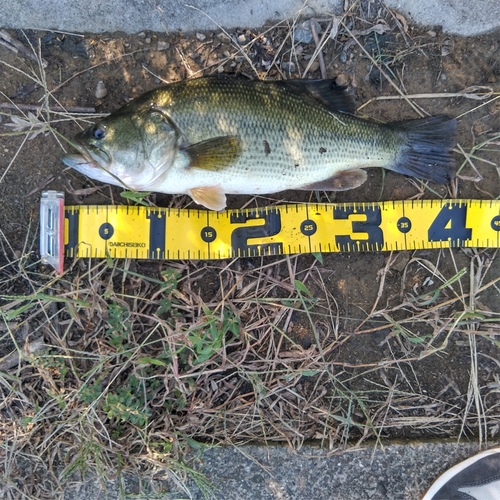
x=166, y=355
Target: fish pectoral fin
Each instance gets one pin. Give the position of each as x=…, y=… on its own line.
x=214, y=154
x=212, y=197
x=341, y=181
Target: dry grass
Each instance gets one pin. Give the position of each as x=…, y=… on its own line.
x=130, y=372
x=123, y=367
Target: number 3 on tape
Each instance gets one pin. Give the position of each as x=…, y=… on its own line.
x=370, y=226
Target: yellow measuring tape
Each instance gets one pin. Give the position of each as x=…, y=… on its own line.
x=139, y=232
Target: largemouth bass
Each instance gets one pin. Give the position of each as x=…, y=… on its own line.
x=210, y=137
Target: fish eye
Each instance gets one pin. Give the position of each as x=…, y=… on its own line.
x=98, y=132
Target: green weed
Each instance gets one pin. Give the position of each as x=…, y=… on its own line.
x=207, y=338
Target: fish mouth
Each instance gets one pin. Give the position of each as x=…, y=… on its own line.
x=93, y=162
x=90, y=157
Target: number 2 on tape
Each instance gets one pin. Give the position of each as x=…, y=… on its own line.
x=241, y=235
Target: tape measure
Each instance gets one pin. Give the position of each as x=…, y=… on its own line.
x=138, y=232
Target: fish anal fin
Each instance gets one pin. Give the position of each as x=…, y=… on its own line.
x=341, y=181
x=214, y=154
x=212, y=197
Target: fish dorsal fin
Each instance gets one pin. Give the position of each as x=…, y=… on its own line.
x=341, y=181
x=325, y=92
x=214, y=154
x=212, y=197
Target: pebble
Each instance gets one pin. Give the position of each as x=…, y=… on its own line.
x=288, y=66
x=303, y=33
x=163, y=45
x=342, y=80
x=100, y=90
x=201, y=37
x=447, y=47
x=242, y=39
x=314, y=66
x=302, y=36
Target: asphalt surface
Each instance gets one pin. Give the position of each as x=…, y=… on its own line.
x=395, y=471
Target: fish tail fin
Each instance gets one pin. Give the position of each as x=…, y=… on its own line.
x=426, y=153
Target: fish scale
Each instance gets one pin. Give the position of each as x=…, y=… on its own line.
x=214, y=136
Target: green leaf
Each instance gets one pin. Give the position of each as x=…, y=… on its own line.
x=418, y=340
x=472, y=315
x=165, y=306
x=318, y=256
x=151, y=361
x=301, y=288
x=195, y=445
x=135, y=197
x=109, y=260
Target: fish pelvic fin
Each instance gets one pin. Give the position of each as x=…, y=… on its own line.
x=212, y=197
x=426, y=153
x=214, y=154
x=341, y=181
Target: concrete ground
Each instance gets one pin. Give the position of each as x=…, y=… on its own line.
x=462, y=17
x=399, y=471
